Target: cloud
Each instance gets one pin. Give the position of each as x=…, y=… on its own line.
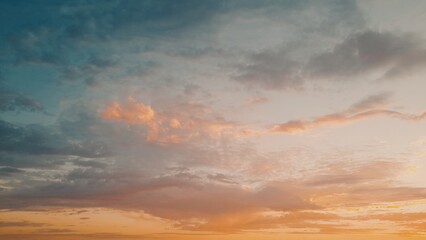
x=235, y=222
x=85, y=41
x=4, y=224
x=133, y=112
x=374, y=101
x=89, y=163
x=177, y=154
x=89, y=70
x=282, y=66
x=367, y=54
x=191, y=196
x=188, y=196
x=355, y=174
x=257, y=100
x=364, y=52
x=70, y=236
x=365, y=109
x=75, y=133
x=171, y=128
x=396, y=217
x=41, y=140
x=14, y=101
x=271, y=70
x=9, y=171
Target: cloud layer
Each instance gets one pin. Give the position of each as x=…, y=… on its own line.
x=185, y=119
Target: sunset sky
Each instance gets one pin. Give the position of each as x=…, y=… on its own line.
x=213, y=120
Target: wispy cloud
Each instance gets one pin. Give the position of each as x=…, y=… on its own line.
x=365, y=109
x=14, y=101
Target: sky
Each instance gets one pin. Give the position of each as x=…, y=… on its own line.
x=213, y=119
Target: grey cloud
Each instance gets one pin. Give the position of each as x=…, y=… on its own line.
x=329, y=17
x=373, y=101
x=30, y=47
x=364, y=52
x=171, y=197
x=185, y=196
x=221, y=178
x=89, y=163
x=14, y=101
x=9, y=171
x=37, y=139
x=21, y=224
x=283, y=67
x=21, y=160
x=271, y=70
x=392, y=55
x=73, y=134
x=182, y=194
x=88, y=70
x=61, y=35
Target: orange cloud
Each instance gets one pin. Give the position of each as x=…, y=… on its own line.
x=257, y=100
x=132, y=112
x=367, y=108
x=135, y=113
x=166, y=128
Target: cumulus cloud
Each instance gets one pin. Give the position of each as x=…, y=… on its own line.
x=170, y=128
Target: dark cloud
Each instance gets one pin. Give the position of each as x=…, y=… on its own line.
x=364, y=52
x=89, y=163
x=4, y=224
x=88, y=70
x=9, y=171
x=182, y=193
x=222, y=178
x=283, y=67
x=39, y=140
x=388, y=55
x=72, y=135
x=78, y=39
x=14, y=101
x=21, y=160
x=271, y=70
x=179, y=197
